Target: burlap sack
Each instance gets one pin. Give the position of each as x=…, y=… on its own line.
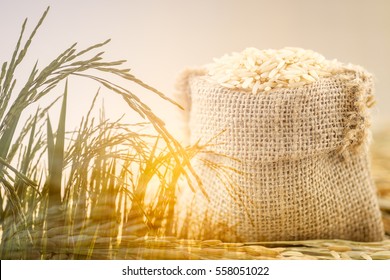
x=302, y=153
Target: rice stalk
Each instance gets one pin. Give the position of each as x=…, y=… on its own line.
x=79, y=193
x=56, y=164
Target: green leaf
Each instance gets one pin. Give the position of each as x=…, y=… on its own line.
x=50, y=143
x=57, y=159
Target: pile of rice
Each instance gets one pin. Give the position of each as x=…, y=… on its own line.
x=256, y=70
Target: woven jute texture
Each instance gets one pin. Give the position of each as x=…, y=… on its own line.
x=301, y=164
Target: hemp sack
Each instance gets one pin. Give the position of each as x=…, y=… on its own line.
x=302, y=154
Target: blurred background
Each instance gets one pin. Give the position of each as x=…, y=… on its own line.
x=161, y=38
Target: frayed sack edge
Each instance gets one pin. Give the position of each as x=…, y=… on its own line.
x=357, y=134
x=182, y=95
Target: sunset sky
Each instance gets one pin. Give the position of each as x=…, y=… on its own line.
x=161, y=38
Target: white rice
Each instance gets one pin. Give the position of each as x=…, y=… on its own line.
x=257, y=71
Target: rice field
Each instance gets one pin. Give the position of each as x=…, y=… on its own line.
x=108, y=190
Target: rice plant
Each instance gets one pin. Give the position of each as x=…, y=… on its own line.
x=89, y=192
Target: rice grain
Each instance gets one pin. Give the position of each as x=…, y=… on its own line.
x=256, y=70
